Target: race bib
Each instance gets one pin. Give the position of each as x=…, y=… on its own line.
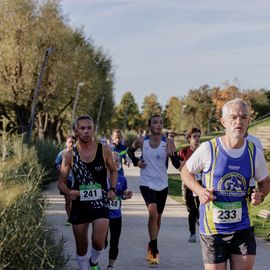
x=115, y=204
x=91, y=192
x=227, y=212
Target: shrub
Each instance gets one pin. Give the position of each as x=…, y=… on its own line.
x=26, y=241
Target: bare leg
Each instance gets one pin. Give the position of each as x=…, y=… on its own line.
x=242, y=262
x=81, y=237
x=217, y=266
x=100, y=228
x=153, y=221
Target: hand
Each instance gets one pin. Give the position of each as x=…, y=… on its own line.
x=206, y=195
x=73, y=194
x=127, y=163
x=111, y=195
x=141, y=163
x=128, y=194
x=256, y=197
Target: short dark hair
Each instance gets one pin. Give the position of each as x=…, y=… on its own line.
x=193, y=130
x=82, y=117
x=150, y=119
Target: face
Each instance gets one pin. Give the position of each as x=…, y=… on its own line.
x=70, y=142
x=156, y=125
x=194, y=139
x=85, y=130
x=236, y=121
x=116, y=137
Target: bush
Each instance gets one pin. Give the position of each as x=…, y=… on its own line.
x=26, y=241
x=130, y=137
x=47, y=152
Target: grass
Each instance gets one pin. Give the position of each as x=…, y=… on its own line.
x=175, y=188
x=261, y=225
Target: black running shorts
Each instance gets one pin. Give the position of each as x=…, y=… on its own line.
x=153, y=196
x=218, y=248
x=80, y=215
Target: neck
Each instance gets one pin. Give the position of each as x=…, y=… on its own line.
x=193, y=147
x=232, y=142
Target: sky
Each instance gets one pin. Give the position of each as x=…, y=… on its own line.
x=168, y=47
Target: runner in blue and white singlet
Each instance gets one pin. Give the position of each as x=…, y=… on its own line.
x=228, y=164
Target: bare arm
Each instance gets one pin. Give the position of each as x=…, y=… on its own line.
x=257, y=196
x=111, y=169
x=64, y=171
x=205, y=195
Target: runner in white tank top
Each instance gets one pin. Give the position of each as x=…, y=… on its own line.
x=154, y=180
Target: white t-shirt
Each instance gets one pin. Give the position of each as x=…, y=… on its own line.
x=201, y=158
x=255, y=140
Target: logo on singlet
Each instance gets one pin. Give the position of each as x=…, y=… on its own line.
x=98, y=168
x=232, y=184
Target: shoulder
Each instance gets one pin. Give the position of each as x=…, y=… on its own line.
x=139, y=141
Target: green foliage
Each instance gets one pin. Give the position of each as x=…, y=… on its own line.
x=175, y=188
x=26, y=241
x=130, y=137
x=261, y=225
x=28, y=29
x=46, y=153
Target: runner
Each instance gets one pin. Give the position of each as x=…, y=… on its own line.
x=115, y=225
x=89, y=162
x=71, y=139
x=228, y=163
x=155, y=150
x=118, y=148
x=192, y=199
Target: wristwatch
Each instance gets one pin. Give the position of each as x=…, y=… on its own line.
x=113, y=189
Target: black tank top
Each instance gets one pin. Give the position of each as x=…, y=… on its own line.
x=90, y=174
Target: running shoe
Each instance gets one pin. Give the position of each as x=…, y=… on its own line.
x=67, y=223
x=192, y=238
x=154, y=259
x=109, y=267
x=94, y=267
x=149, y=255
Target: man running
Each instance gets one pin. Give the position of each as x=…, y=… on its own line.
x=153, y=163
x=192, y=199
x=118, y=148
x=228, y=163
x=71, y=139
x=89, y=162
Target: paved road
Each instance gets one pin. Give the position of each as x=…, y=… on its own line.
x=175, y=251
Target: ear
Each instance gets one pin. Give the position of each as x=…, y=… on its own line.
x=222, y=121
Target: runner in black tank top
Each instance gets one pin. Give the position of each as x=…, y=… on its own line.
x=89, y=162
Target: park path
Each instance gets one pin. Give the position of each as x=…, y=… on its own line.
x=175, y=251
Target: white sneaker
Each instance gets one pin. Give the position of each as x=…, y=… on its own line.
x=192, y=238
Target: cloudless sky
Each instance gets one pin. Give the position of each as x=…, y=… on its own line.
x=167, y=47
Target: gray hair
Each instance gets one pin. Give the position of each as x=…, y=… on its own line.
x=225, y=107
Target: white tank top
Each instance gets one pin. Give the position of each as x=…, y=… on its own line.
x=154, y=174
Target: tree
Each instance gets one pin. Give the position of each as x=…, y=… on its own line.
x=127, y=114
x=26, y=31
x=150, y=107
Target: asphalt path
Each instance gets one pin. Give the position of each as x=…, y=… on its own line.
x=175, y=250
